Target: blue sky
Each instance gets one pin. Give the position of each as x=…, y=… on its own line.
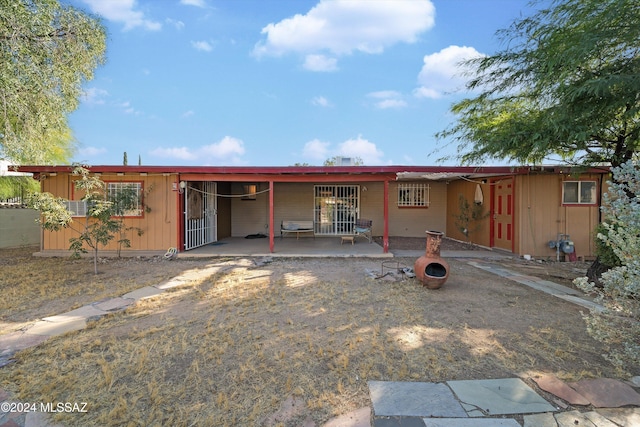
x=275, y=83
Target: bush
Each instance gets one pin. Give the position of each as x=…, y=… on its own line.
x=618, y=325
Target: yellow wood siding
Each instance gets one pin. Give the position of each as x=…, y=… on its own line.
x=159, y=225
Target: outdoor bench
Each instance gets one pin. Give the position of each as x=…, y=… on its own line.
x=296, y=227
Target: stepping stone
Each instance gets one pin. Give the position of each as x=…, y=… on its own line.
x=113, y=304
x=143, y=293
x=559, y=388
x=586, y=419
x=82, y=313
x=471, y=422
x=398, y=422
x=607, y=392
x=499, y=397
x=358, y=418
x=622, y=416
x=417, y=399
x=545, y=419
x=51, y=329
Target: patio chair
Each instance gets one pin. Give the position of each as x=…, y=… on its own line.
x=362, y=227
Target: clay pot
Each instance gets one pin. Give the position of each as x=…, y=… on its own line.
x=431, y=269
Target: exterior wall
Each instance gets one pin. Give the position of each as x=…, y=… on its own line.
x=414, y=222
x=224, y=210
x=159, y=224
x=479, y=231
x=18, y=227
x=249, y=216
x=542, y=216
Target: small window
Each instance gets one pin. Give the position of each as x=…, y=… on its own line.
x=413, y=195
x=249, y=192
x=579, y=193
x=76, y=207
x=127, y=197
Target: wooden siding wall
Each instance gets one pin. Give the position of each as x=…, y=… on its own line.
x=480, y=231
x=159, y=224
x=542, y=216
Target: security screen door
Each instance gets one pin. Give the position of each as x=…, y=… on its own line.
x=336, y=207
x=200, y=214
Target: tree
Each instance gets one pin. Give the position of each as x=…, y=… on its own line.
x=103, y=220
x=567, y=84
x=47, y=51
x=619, y=324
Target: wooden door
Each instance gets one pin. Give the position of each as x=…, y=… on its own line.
x=502, y=202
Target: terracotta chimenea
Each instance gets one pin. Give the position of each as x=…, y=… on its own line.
x=431, y=269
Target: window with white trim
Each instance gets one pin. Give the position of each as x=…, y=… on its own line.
x=127, y=196
x=579, y=193
x=76, y=207
x=413, y=194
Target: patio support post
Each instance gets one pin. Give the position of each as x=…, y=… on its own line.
x=385, y=235
x=271, y=227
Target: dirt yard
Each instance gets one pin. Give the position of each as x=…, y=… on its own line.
x=231, y=347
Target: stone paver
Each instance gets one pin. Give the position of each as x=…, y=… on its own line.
x=143, y=293
x=398, y=422
x=561, y=389
x=418, y=399
x=114, y=304
x=607, y=392
x=82, y=313
x=50, y=329
x=545, y=419
x=622, y=416
x=587, y=419
x=472, y=422
x=499, y=397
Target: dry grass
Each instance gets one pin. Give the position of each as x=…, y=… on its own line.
x=230, y=348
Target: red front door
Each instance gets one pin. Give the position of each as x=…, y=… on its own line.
x=502, y=203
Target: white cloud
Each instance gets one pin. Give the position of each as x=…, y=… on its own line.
x=320, y=151
x=202, y=46
x=228, y=150
x=360, y=147
x=388, y=99
x=187, y=114
x=320, y=101
x=182, y=153
x=122, y=11
x=443, y=73
x=197, y=3
x=320, y=63
x=179, y=25
x=341, y=27
x=128, y=108
x=316, y=150
x=94, y=96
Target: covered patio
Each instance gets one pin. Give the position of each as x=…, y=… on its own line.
x=330, y=246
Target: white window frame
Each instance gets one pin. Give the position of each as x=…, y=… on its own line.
x=580, y=200
x=114, y=186
x=77, y=208
x=413, y=195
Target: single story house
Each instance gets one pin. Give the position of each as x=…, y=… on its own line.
x=516, y=209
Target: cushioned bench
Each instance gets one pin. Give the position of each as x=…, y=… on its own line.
x=296, y=227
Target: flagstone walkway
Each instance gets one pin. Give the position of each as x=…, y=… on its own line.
x=508, y=402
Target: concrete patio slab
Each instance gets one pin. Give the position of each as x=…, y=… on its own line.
x=545, y=419
x=607, y=392
x=473, y=422
x=499, y=397
x=398, y=422
x=561, y=389
x=419, y=399
x=143, y=293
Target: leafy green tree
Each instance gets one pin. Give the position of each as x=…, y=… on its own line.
x=618, y=325
x=47, y=51
x=566, y=85
x=103, y=220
